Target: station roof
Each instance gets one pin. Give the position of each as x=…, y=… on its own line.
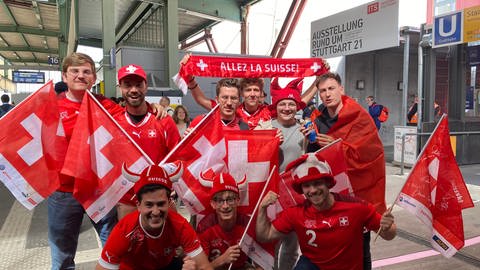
x=30, y=31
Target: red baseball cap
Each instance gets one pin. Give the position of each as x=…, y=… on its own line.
x=131, y=69
x=308, y=168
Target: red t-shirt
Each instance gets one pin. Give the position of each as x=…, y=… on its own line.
x=69, y=111
x=232, y=125
x=262, y=113
x=215, y=241
x=130, y=247
x=172, y=135
x=152, y=137
x=332, y=239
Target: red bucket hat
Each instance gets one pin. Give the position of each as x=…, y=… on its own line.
x=308, y=168
x=292, y=91
x=221, y=182
x=131, y=69
x=163, y=175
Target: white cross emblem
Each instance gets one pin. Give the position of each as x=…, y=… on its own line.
x=131, y=69
x=152, y=133
x=315, y=67
x=202, y=65
x=343, y=221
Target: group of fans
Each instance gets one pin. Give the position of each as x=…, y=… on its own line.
x=331, y=231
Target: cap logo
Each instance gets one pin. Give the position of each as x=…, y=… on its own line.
x=290, y=96
x=131, y=69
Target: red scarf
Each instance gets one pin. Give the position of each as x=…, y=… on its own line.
x=242, y=67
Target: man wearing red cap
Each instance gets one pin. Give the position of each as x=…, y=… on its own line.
x=329, y=226
x=147, y=238
x=220, y=232
x=155, y=137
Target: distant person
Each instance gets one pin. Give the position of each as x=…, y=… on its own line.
x=165, y=102
x=374, y=110
x=6, y=106
x=181, y=118
x=60, y=87
x=412, y=115
x=262, y=98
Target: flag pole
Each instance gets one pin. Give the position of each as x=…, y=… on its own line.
x=389, y=210
x=255, y=209
x=189, y=134
x=118, y=125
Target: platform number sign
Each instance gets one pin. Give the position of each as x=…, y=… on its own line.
x=52, y=60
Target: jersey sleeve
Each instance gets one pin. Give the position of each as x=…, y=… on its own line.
x=284, y=222
x=189, y=240
x=113, y=108
x=115, y=248
x=372, y=218
x=213, y=103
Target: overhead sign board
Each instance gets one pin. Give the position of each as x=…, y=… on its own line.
x=52, y=60
x=368, y=27
x=28, y=77
x=447, y=29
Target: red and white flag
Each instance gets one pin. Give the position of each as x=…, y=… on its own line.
x=97, y=150
x=335, y=157
x=436, y=193
x=243, y=67
x=32, y=147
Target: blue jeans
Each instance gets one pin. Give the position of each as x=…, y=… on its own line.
x=65, y=215
x=367, y=256
x=305, y=264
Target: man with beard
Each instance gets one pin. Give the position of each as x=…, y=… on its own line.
x=220, y=232
x=339, y=116
x=142, y=126
x=329, y=226
x=146, y=239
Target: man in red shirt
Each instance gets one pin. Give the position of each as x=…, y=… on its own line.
x=220, y=232
x=142, y=126
x=228, y=97
x=147, y=239
x=329, y=226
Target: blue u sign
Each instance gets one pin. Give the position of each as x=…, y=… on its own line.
x=448, y=29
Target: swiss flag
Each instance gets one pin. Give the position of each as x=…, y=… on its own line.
x=436, y=193
x=32, y=147
x=335, y=157
x=97, y=150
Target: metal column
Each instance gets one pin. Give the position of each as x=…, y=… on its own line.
x=108, y=45
x=406, y=58
x=171, y=29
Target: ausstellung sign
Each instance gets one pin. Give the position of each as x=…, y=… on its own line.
x=368, y=27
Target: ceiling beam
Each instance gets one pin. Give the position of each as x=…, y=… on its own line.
x=7, y=28
x=91, y=42
x=212, y=9
x=16, y=67
x=28, y=49
x=131, y=21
